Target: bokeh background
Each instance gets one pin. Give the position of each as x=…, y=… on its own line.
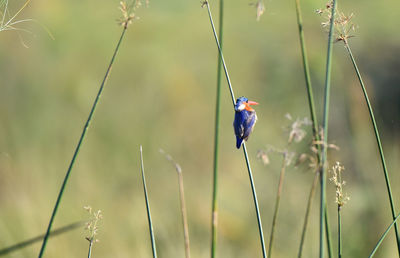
x=161, y=94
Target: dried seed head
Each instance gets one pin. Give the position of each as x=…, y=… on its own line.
x=336, y=179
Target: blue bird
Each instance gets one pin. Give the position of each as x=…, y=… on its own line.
x=245, y=119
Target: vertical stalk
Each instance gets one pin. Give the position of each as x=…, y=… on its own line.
x=278, y=198
x=182, y=203
x=310, y=94
x=184, y=214
x=327, y=234
x=90, y=248
x=214, y=208
x=325, y=129
x=339, y=232
x=378, y=141
x=315, y=129
x=244, y=145
x=309, y=204
x=153, y=242
x=85, y=128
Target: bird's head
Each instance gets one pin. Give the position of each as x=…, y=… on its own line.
x=243, y=103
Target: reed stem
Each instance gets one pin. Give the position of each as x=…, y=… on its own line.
x=339, y=232
x=85, y=128
x=214, y=208
x=244, y=145
x=153, y=242
x=378, y=141
x=90, y=248
x=277, y=201
x=36, y=239
x=383, y=237
x=325, y=129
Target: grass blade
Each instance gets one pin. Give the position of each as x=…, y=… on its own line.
x=85, y=128
x=205, y=3
x=214, y=208
x=378, y=141
x=153, y=242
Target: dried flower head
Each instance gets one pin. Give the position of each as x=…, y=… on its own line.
x=297, y=133
x=91, y=225
x=343, y=23
x=260, y=8
x=341, y=198
x=128, y=12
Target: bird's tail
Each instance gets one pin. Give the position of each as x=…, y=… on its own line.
x=238, y=142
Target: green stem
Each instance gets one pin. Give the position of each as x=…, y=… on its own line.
x=378, y=141
x=34, y=240
x=310, y=95
x=244, y=145
x=90, y=248
x=153, y=242
x=309, y=204
x=220, y=53
x=85, y=128
x=327, y=233
x=214, y=214
x=325, y=129
x=253, y=190
x=339, y=232
x=383, y=236
x=278, y=198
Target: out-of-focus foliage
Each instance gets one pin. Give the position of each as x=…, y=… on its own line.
x=161, y=94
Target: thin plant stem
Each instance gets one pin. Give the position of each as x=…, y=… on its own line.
x=308, y=209
x=277, y=201
x=85, y=128
x=310, y=94
x=182, y=203
x=26, y=243
x=90, y=248
x=153, y=242
x=327, y=233
x=339, y=232
x=214, y=208
x=244, y=145
x=325, y=130
x=253, y=190
x=383, y=236
x=314, y=125
x=378, y=141
x=220, y=53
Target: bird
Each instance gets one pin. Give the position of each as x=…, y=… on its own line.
x=245, y=119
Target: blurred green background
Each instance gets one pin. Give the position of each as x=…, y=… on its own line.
x=161, y=94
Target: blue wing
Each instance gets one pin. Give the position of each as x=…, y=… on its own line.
x=243, y=125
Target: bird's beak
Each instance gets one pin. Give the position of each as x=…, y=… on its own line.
x=248, y=104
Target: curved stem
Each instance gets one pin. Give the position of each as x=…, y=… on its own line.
x=244, y=145
x=378, y=141
x=85, y=128
x=214, y=208
x=253, y=190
